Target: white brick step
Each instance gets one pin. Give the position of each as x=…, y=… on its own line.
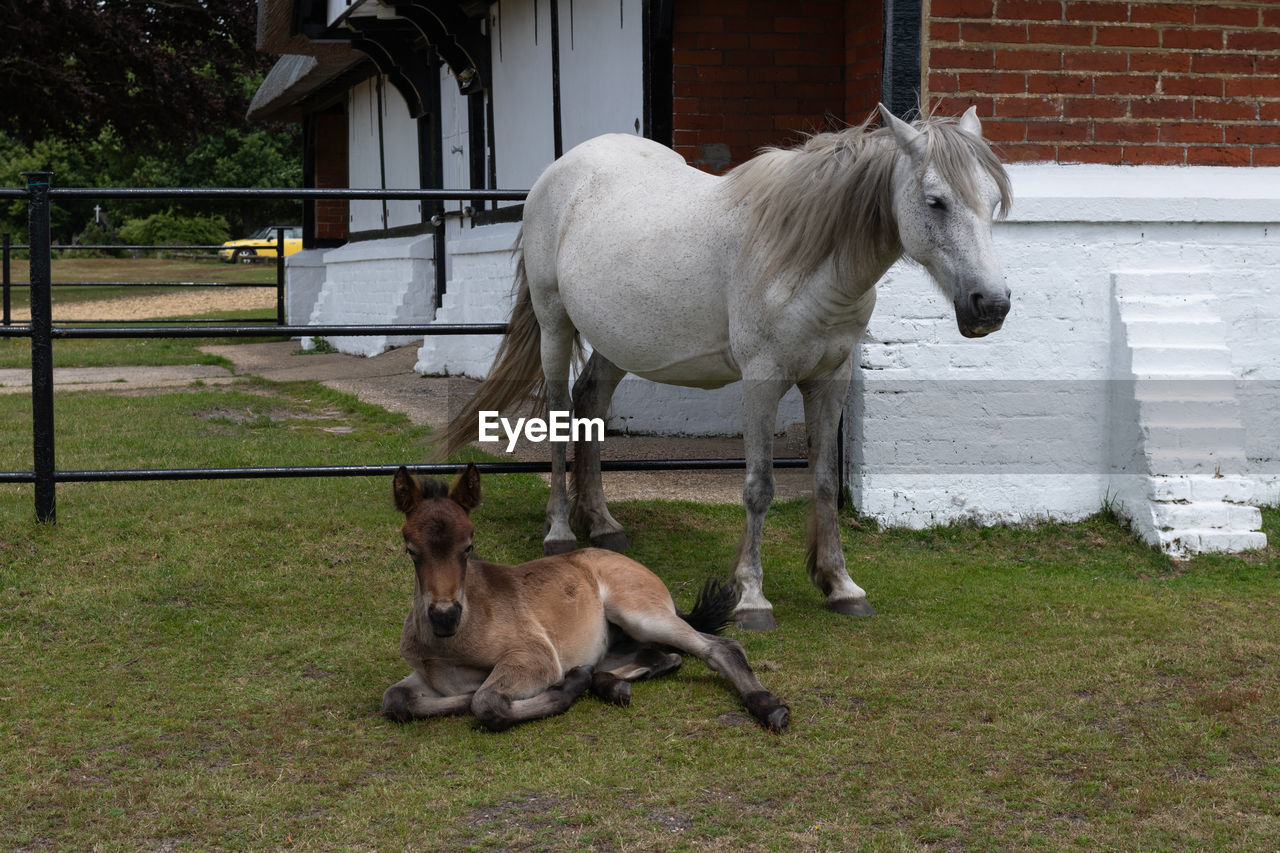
x=1164, y=300
x=1197, y=541
x=1205, y=515
x=1167, y=462
x=1153, y=332
x=1240, y=490
x=1190, y=413
x=1181, y=360
x=1205, y=389
x=1207, y=437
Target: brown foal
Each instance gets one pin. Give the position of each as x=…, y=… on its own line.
x=516, y=643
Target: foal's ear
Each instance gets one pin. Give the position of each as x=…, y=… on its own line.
x=405, y=490
x=466, y=491
x=908, y=137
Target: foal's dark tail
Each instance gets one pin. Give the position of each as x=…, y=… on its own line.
x=516, y=374
x=713, y=610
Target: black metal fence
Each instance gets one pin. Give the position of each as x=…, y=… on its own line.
x=40, y=195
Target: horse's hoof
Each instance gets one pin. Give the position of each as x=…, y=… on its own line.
x=851, y=607
x=755, y=620
x=612, y=541
x=778, y=719
x=552, y=547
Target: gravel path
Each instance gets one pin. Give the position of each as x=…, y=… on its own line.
x=192, y=303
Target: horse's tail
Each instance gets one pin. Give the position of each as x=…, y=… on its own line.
x=516, y=374
x=713, y=610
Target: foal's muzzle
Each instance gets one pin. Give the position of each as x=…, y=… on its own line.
x=444, y=618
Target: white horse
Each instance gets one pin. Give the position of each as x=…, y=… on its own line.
x=765, y=275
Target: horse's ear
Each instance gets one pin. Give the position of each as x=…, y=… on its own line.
x=908, y=137
x=405, y=490
x=466, y=491
x=969, y=122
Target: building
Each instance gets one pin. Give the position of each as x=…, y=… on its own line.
x=1139, y=366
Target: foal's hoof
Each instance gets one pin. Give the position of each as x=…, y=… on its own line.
x=851, y=607
x=755, y=620
x=768, y=710
x=778, y=720
x=552, y=547
x=575, y=681
x=612, y=541
x=609, y=688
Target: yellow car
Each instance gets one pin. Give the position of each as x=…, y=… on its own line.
x=262, y=244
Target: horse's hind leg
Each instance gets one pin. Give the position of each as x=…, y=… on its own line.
x=557, y=348
x=591, y=395
x=825, y=558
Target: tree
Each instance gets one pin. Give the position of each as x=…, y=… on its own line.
x=154, y=70
x=139, y=93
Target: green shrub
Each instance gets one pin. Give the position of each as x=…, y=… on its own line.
x=94, y=234
x=172, y=229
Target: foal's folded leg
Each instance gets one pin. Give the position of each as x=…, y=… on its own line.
x=494, y=706
x=411, y=698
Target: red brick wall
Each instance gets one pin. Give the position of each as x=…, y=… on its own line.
x=331, y=171
x=1113, y=81
x=863, y=57
x=750, y=73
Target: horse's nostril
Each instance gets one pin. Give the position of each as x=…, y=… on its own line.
x=975, y=303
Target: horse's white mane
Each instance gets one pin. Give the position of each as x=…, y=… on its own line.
x=832, y=195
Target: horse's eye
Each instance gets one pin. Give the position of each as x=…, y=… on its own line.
x=935, y=202
x=468, y=549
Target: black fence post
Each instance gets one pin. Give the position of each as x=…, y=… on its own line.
x=8, y=314
x=279, y=276
x=38, y=241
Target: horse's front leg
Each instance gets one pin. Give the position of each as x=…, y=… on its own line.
x=823, y=403
x=759, y=414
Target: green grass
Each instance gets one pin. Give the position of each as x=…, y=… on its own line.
x=16, y=352
x=199, y=666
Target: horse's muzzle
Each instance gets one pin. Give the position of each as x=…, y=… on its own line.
x=444, y=619
x=979, y=314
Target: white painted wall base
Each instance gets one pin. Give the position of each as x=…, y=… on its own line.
x=375, y=282
x=304, y=279
x=1046, y=418
x=479, y=290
